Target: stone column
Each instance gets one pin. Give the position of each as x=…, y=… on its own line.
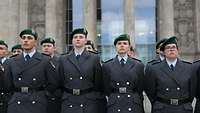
x=9, y=21
x=90, y=19
x=54, y=22
x=23, y=14
x=129, y=20
x=165, y=21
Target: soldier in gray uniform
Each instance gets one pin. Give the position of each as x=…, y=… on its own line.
x=170, y=84
x=3, y=92
x=3, y=102
x=49, y=48
x=81, y=78
x=159, y=53
x=28, y=76
x=123, y=80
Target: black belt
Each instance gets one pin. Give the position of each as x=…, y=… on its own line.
x=78, y=91
x=173, y=101
x=122, y=90
x=28, y=89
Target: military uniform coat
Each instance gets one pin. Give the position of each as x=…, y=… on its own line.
x=130, y=76
x=33, y=74
x=82, y=74
x=54, y=100
x=3, y=102
x=196, y=67
x=162, y=82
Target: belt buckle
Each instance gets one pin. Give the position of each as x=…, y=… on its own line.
x=76, y=91
x=24, y=89
x=122, y=90
x=174, y=101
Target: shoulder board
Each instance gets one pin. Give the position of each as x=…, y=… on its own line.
x=136, y=59
x=93, y=52
x=156, y=62
x=196, y=61
x=108, y=60
x=186, y=62
x=46, y=55
x=152, y=61
x=13, y=56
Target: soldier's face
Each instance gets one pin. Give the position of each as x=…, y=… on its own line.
x=122, y=47
x=28, y=42
x=79, y=40
x=3, y=50
x=48, y=48
x=17, y=51
x=171, y=51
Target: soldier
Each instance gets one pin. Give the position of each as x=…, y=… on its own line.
x=16, y=49
x=27, y=76
x=170, y=84
x=123, y=80
x=90, y=46
x=49, y=48
x=131, y=52
x=3, y=102
x=159, y=53
x=81, y=78
x=3, y=51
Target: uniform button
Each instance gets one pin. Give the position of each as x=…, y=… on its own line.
x=2, y=93
x=117, y=83
x=129, y=96
x=70, y=78
x=178, y=88
x=81, y=105
x=127, y=83
x=70, y=106
x=118, y=110
x=1, y=103
x=81, y=78
x=33, y=102
x=18, y=102
x=19, y=78
x=34, y=79
x=118, y=96
x=167, y=89
x=129, y=109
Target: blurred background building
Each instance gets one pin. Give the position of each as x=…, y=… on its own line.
x=146, y=21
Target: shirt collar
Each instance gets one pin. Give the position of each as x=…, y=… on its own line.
x=169, y=62
x=125, y=57
x=30, y=54
x=78, y=52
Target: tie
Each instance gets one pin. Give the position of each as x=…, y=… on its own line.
x=78, y=56
x=122, y=62
x=27, y=57
x=172, y=67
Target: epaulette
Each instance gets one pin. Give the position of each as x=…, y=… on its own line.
x=152, y=61
x=46, y=55
x=94, y=52
x=13, y=56
x=108, y=60
x=136, y=59
x=196, y=61
x=156, y=62
x=186, y=62
x=65, y=53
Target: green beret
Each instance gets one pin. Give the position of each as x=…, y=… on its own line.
x=18, y=46
x=171, y=40
x=122, y=37
x=3, y=43
x=29, y=32
x=159, y=43
x=79, y=31
x=48, y=40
